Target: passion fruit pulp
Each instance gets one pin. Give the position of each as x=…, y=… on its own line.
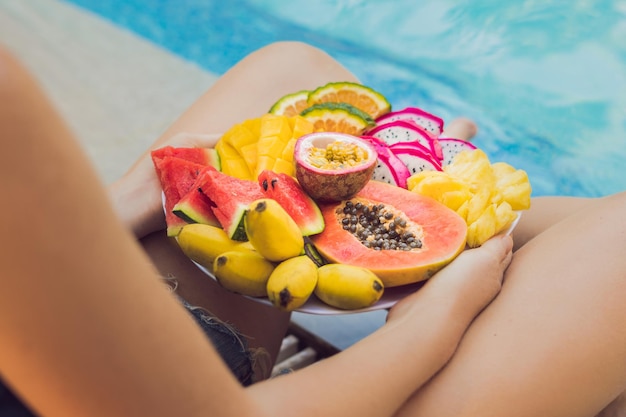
x=333, y=166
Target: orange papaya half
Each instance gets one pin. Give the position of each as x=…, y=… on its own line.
x=406, y=240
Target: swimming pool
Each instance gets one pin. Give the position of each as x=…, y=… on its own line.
x=546, y=81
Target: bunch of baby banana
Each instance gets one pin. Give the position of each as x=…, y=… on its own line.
x=274, y=263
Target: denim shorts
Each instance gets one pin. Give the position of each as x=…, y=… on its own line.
x=230, y=344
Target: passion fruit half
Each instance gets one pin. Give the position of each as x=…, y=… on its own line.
x=333, y=166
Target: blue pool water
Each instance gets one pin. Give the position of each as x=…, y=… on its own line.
x=546, y=81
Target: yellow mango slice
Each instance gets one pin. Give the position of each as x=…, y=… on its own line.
x=300, y=126
x=264, y=162
x=273, y=125
x=288, y=150
x=236, y=167
x=270, y=146
x=239, y=136
x=225, y=150
x=249, y=154
x=285, y=167
x=253, y=125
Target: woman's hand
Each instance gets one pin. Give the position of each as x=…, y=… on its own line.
x=136, y=196
x=467, y=285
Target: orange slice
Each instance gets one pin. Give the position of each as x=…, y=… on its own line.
x=363, y=98
x=291, y=104
x=337, y=117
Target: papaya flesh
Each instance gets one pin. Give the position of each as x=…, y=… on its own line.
x=441, y=234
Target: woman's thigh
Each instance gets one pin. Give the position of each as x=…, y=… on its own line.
x=553, y=343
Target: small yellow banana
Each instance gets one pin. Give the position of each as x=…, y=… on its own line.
x=272, y=232
x=203, y=243
x=348, y=287
x=292, y=283
x=243, y=271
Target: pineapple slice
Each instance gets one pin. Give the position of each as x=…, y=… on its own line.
x=474, y=167
x=513, y=185
x=455, y=199
x=483, y=228
x=478, y=203
x=486, y=195
x=505, y=215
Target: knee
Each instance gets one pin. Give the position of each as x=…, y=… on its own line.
x=294, y=49
x=298, y=59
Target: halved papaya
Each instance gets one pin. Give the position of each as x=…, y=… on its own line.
x=401, y=236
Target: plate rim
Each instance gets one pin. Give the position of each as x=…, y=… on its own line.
x=389, y=298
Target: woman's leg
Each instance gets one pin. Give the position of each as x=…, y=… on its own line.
x=553, y=343
x=246, y=91
x=250, y=88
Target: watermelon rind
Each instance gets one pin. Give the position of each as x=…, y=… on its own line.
x=194, y=207
x=229, y=198
x=202, y=156
x=213, y=158
x=236, y=230
x=176, y=177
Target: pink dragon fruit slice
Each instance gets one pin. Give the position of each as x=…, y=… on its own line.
x=415, y=159
x=389, y=168
x=401, y=131
x=450, y=147
x=427, y=121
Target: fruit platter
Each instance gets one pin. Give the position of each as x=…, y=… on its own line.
x=332, y=203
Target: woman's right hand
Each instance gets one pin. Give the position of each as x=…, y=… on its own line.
x=468, y=284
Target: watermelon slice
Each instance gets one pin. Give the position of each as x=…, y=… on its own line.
x=195, y=207
x=177, y=176
x=229, y=198
x=288, y=193
x=202, y=156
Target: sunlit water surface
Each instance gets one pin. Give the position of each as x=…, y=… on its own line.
x=545, y=80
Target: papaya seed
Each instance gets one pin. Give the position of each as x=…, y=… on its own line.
x=379, y=227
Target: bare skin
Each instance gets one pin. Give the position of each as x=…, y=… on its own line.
x=550, y=344
x=246, y=91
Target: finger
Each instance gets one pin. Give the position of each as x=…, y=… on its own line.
x=492, y=258
x=461, y=128
x=501, y=247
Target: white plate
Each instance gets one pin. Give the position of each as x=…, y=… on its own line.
x=389, y=298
